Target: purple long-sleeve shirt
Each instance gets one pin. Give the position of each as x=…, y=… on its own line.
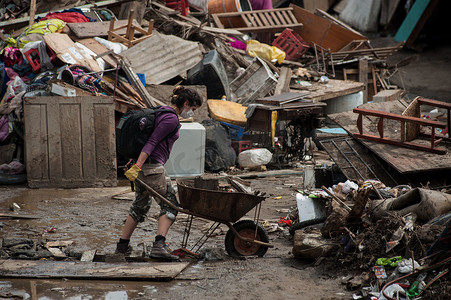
x=156, y=147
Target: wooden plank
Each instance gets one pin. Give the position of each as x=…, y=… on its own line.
x=334, y=88
x=269, y=28
x=257, y=21
x=274, y=17
x=283, y=83
x=363, y=77
x=323, y=32
x=99, y=29
x=281, y=98
x=15, y=216
x=91, y=270
x=32, y=12
x=266, y=22
x=98, y=49
x=281, y=17
x=412, y=130
x=41, y=15
x=247, y=20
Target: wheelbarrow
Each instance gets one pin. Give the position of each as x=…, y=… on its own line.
x=244, y=238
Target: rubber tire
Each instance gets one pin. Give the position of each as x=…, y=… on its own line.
x=306, y=223
x=246, y=227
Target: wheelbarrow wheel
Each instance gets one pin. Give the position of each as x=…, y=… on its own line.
x=246, y=228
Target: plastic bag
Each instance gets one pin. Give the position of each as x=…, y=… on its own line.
x=264, y=51
x=254, y=158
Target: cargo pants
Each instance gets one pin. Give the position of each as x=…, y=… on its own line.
x=154, y=175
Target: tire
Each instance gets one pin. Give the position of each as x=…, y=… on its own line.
x=246, y=228
x=306, y=223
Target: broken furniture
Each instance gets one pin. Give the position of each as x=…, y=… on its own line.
x=405, y=120
x=414, y=110
x=301, y=117
x=269, y=20
x=406, y=164
x=129, y=38
x=256, y=81
x=327, y=33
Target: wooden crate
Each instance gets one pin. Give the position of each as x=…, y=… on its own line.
x=70, y=142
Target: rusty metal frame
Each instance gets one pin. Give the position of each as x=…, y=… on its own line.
x=326, y=58
x=403, y=119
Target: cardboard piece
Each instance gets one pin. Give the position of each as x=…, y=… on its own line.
x=68, y=52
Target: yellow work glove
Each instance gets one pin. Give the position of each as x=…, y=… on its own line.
x=133, y=172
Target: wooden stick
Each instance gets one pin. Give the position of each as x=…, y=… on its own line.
x=336, y=198
x=32, y=11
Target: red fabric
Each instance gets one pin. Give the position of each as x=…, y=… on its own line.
x=68, y=17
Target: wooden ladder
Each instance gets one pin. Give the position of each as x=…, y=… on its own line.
x=268, y=20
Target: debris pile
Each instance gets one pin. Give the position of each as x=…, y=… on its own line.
x=397, y=237
x=278, y=71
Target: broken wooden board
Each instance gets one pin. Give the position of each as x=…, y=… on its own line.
x=283, y=98
x=90, y=270
x=99, y=49
x=16, y=216
x=402, y=159
x=68, y=52
x=323, y=32
x=100, y=29
x=334, y=88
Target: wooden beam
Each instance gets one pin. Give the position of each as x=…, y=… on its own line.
x=32, y=12
x=283, y=83
x=91, y=270
x=363, y=77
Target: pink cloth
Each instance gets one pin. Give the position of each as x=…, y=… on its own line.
x=261, y=4
x=237, y=44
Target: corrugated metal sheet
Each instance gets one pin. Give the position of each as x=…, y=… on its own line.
x=162, y=57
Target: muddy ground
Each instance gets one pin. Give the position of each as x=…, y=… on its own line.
x=93, y=220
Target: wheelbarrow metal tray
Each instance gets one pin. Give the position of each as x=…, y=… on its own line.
x=224, y=206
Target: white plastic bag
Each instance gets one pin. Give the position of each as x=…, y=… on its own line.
x=348, y=186
x=254, y=158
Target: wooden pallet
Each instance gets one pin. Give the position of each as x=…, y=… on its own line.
x=269, y=20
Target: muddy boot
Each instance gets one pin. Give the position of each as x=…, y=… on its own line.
x=123, y=248
x=161, y=251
